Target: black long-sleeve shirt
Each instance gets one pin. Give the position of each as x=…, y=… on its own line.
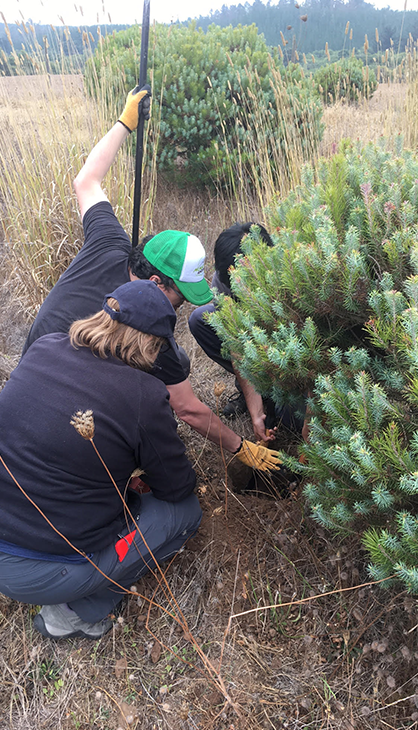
x=60, y=470
x=99, y=268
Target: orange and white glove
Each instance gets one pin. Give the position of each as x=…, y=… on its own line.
x=133, y=107
x=258, y=456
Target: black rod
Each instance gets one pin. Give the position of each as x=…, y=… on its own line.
x=140, y=131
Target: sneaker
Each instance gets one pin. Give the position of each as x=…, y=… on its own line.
x=235, y=405
x=61, y=622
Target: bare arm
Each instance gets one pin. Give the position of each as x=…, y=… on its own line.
x=200, y=417
x=255, y=407
x=87, y=184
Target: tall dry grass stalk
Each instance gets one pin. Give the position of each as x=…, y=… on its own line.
x=391, y=111
x=48, y=126
x=282, y=136
x=287, y=135
x=411, y=107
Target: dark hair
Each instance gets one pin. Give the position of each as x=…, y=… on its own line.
x=228, y=244
x=141, y=267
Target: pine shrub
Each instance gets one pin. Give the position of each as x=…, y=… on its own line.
x=346, y=79
x=208, y=88
x=331, y=311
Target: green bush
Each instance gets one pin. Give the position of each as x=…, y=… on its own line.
x=208, y=89
x=346, y=79
x=331, y=311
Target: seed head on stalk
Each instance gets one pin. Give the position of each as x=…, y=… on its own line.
x=83, y=422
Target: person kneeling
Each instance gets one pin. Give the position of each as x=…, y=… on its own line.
x=77, y=409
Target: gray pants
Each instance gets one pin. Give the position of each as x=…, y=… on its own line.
x=165, y=526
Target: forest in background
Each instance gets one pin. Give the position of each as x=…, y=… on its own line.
x=307, y=27
x=317, y=22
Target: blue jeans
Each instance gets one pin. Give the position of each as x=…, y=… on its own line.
x=165, y=526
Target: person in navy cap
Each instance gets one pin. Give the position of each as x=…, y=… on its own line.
x=173, y=260
x=68, y=530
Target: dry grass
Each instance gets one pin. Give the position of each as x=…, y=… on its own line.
x=46, y=131
x=45, y=150
x=345, y=661
x=382, y=115
x=279, y=138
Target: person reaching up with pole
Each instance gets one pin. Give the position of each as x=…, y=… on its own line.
x=173, y=260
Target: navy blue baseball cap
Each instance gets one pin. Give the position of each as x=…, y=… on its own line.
x=144, y=307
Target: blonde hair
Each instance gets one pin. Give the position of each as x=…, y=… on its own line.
x=106, y=336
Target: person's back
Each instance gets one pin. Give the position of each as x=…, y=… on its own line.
x=177, y=261
x=45, y=453
x=100, y=266
x=77, y=417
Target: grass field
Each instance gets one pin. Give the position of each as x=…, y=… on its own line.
x=382, y=115
x=338, y=654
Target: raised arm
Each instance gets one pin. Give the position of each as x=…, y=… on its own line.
x=88, y=183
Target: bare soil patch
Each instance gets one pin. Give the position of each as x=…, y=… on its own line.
x=345, y=660
x=337, y=655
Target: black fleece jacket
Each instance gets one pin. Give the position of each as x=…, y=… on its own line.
x=60, y=470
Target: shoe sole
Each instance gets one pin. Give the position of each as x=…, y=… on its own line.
x=40, y=626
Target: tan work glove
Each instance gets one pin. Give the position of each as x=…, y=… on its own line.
x=258, y=457
x=133, y=107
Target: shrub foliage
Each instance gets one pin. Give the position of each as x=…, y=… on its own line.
x=331, y=311
x=346, y=79
x=208, y=89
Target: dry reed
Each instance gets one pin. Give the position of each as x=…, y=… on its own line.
x=48, y=126
x=295, y=666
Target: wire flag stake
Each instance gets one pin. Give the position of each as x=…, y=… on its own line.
x=140, y=131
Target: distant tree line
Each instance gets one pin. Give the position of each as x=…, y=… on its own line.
x=69, y=36
x=22, y=43
x=309, y=26
x=296, y=28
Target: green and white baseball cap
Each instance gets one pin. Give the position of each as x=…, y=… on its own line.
x=180, y=256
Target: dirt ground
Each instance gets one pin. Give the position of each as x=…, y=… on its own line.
x=214, y=650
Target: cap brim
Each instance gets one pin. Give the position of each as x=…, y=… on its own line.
x=196, y=292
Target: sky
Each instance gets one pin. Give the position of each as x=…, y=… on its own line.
x=90, y=12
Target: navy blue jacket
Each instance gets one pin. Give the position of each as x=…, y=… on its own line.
x=60, y=471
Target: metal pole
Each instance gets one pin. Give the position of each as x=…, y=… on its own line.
x=140, y=130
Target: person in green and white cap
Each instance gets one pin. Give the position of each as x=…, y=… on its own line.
x=182, y=257
x=173, y=260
